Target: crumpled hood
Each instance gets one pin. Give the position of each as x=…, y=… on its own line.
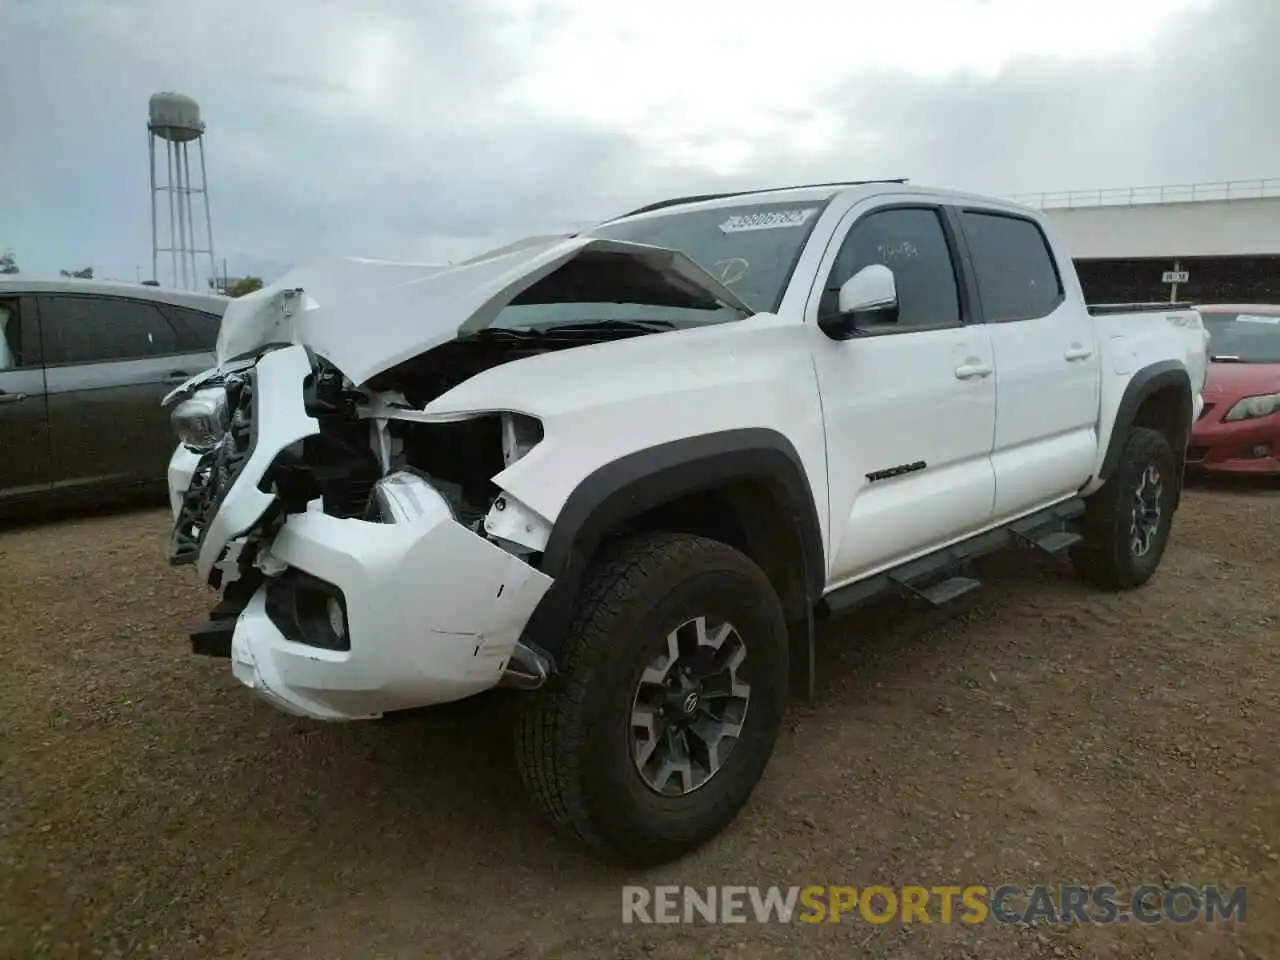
x=367, y=316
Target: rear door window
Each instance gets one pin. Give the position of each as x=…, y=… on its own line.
x=100, y=329
x=1017, y=276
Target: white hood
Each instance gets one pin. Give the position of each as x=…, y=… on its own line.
x=366, y=316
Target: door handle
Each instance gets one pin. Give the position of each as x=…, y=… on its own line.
x=1077, y=352
x=971, y=368
x=178, y=376
x=11, y=397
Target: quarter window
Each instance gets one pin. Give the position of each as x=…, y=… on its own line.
x=912, y=243
x=96, y=329
x=1017, y=278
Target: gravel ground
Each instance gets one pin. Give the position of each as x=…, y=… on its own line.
x=1043, y=733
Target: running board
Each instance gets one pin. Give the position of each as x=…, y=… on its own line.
x=1052, y=543
x=940, y=593
x=936, y=577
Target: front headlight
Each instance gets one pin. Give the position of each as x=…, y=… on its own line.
x=201, y=420
x=1250, y=408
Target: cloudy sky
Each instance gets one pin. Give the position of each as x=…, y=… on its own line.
x=430, y=129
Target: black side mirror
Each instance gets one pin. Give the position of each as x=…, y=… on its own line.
x=839, y=326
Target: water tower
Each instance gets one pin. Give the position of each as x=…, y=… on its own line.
x=175, y=120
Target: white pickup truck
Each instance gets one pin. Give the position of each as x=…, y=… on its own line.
x=626, y=471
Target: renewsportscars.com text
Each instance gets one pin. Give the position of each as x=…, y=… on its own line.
x=973, y=904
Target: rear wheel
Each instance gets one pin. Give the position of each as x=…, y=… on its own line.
x=1127, y=522
x=671, y=691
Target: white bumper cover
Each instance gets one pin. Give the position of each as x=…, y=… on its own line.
x=433, y=611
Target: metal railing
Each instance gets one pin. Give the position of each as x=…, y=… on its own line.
x=1134, y=196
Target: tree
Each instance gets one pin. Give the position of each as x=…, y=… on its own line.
x=242, y=285
x=85, y=274
x=8, y=265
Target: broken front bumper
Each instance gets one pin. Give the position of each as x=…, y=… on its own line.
x=432, y=614
x=353, y=618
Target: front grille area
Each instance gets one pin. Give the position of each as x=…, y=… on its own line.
x=216, y=472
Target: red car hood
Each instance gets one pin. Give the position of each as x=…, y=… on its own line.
x=1234, y=380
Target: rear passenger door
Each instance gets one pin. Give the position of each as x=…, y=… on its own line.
x=25, y=463
x=1046, y=358
x=109, y=362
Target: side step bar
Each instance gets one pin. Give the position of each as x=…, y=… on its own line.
x=936, y=578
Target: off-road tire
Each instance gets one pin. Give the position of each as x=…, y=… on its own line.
x=573, y=737
x=1105, y=558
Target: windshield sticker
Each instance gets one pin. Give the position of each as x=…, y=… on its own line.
x=732, y=270
x=1250, y=318
x=773, y=220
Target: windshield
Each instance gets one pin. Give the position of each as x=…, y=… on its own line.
x=751, y=248
x=1248, y=338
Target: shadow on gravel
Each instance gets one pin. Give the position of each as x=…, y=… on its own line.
x=1241, y=484
x=16, y=518
x=445, y=779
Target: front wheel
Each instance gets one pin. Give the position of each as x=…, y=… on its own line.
x=671, y=692
x=1127, y=522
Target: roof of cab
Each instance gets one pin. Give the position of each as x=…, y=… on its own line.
x=208, y=302
x=808, y=193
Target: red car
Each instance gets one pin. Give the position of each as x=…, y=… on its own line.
x=1239, y=430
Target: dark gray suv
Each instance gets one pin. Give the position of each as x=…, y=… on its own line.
x=84, y=365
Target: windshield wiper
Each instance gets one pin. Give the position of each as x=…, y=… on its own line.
x=620, y=326
x=526, y=334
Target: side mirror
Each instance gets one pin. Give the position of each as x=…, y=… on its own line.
x=870, y=296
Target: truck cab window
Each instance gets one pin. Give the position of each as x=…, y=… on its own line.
x=910, y=242
x=1017, y=278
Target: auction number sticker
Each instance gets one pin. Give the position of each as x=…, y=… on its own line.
x=772, y=220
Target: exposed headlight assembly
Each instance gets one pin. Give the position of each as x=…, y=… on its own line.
x=1251, y=408
x=202, y=419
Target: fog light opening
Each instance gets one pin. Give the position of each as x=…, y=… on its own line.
x=337, y=618
x=1261, y=450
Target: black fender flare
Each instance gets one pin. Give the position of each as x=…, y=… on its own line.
x=1144, y=383
x=640, y=481
x=648, y=478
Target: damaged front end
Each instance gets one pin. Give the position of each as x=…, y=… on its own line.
x=366, y=560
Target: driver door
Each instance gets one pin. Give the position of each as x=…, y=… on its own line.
x=909, y=406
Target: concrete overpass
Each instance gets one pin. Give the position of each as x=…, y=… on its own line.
x=1225, y=236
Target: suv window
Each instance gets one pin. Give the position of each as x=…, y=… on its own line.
x=912, y=243
x=94, y=329
x=197, y=331
x=1017, y=277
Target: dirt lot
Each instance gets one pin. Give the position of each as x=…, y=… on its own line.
x=1044, y=734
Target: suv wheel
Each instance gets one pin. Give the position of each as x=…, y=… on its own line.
x=1127, y=522
x=670, y=695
